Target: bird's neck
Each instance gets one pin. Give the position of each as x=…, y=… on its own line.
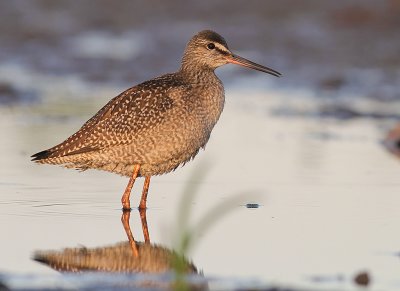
x=197, y=73
x=209, y=91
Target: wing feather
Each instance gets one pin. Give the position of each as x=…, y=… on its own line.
x=120, y=120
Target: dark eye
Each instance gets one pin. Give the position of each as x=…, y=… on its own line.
x=211, y=46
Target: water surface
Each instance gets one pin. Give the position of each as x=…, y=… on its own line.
x=328, y=195
x=306, y=148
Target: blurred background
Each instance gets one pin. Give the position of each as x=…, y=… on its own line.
x=309, y=142
x=340, y=47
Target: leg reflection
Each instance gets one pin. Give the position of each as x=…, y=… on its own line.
x=125, y=222
x=145, y=229
x=126, y=215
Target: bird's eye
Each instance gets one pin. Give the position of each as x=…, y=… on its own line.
x=211, y=46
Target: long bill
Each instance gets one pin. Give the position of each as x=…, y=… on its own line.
x=235, y=59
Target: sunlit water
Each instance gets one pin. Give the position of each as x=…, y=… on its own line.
x=328, y=191
x=305, y=147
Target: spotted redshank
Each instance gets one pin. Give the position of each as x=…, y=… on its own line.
x=152, y=128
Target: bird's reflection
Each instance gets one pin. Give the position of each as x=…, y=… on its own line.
x=128, y=257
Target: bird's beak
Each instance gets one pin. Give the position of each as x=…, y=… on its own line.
x=235, y=59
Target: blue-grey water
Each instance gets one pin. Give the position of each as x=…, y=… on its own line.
x=305, y=147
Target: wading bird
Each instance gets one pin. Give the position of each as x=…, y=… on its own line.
x=152, y=128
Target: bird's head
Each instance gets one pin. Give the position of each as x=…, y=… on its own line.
x=208, y=50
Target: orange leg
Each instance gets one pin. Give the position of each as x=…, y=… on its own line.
x=125, y=222
x=146, y=185
x=145, y=229
x=126, y=204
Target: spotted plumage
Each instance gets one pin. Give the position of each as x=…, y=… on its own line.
x=152, y=128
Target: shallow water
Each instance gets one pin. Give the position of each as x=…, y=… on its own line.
x=306, y=148
x=328, y=195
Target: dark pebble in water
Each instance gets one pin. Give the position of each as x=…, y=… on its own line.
x=252, y=205
x=362, y=279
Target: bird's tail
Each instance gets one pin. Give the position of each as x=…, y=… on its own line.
x=41, y=155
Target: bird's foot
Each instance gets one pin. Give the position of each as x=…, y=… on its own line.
x=126, y=208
